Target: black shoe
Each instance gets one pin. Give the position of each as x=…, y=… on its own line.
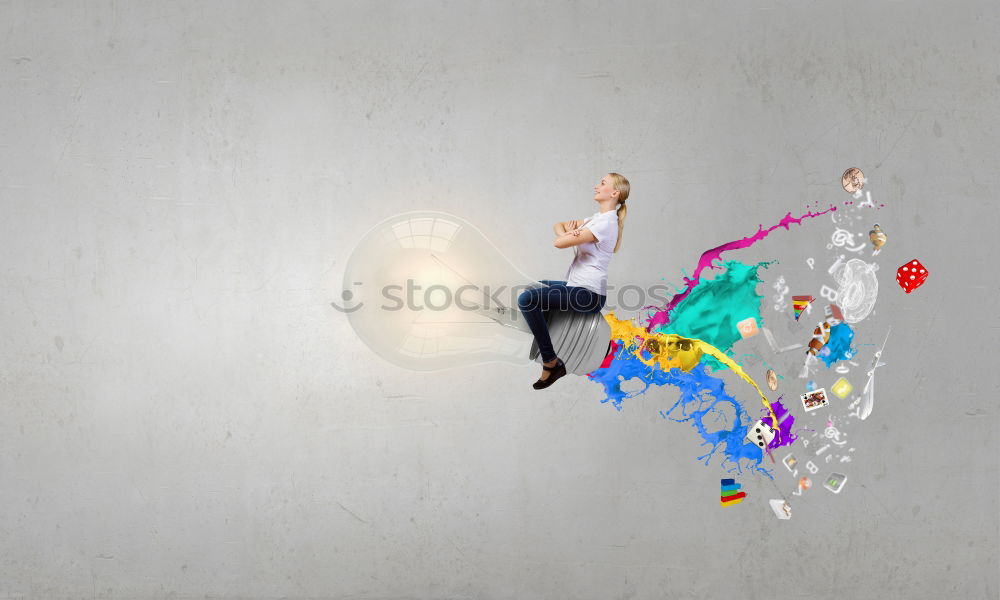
x=554, y=373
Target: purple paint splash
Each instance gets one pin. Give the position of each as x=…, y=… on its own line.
x=785, y=436
x=662, y=317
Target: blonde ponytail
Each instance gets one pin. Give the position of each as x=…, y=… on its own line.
x=622, y=186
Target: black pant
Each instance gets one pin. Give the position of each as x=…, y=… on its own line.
x=556, y=295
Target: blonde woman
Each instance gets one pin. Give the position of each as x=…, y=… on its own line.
x=594, y=240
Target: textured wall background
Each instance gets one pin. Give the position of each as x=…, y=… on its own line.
x=183, y=415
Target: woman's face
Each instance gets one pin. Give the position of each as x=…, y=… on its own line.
x=605, y=190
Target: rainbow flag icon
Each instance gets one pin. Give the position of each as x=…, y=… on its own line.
x=799, y=304
x=730, y=492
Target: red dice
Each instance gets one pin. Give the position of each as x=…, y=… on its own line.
x=911, y=275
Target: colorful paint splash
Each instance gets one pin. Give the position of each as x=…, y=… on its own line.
x=700, y=322
x=784, y=436
x=712, y=309
x=708, y=257
x=669, y=359
x=669, y=351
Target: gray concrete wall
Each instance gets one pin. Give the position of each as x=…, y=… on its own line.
x=183, y=415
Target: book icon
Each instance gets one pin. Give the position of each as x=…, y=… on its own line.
x=730, y=492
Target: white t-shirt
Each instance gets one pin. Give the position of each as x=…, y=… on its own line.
x=590, y=265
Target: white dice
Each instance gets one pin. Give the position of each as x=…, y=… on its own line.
x=760, y=434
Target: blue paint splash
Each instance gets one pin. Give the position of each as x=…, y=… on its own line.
x=839, y=346
x=702, y=396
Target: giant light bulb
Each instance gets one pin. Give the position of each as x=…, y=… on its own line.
x=435, y=293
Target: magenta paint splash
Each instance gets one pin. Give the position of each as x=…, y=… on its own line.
x=662, y=317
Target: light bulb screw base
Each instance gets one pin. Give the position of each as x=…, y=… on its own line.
x=581, y=340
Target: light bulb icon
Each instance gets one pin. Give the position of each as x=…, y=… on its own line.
x=431, y=292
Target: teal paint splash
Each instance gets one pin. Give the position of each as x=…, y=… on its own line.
x=712, y=309
x=708, y=258
x=839, y=346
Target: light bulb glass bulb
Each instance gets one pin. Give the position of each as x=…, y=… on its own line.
x=432, y=292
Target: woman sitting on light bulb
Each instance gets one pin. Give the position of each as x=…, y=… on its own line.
x=595, y=238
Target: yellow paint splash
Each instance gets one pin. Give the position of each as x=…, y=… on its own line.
x=670, y=350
